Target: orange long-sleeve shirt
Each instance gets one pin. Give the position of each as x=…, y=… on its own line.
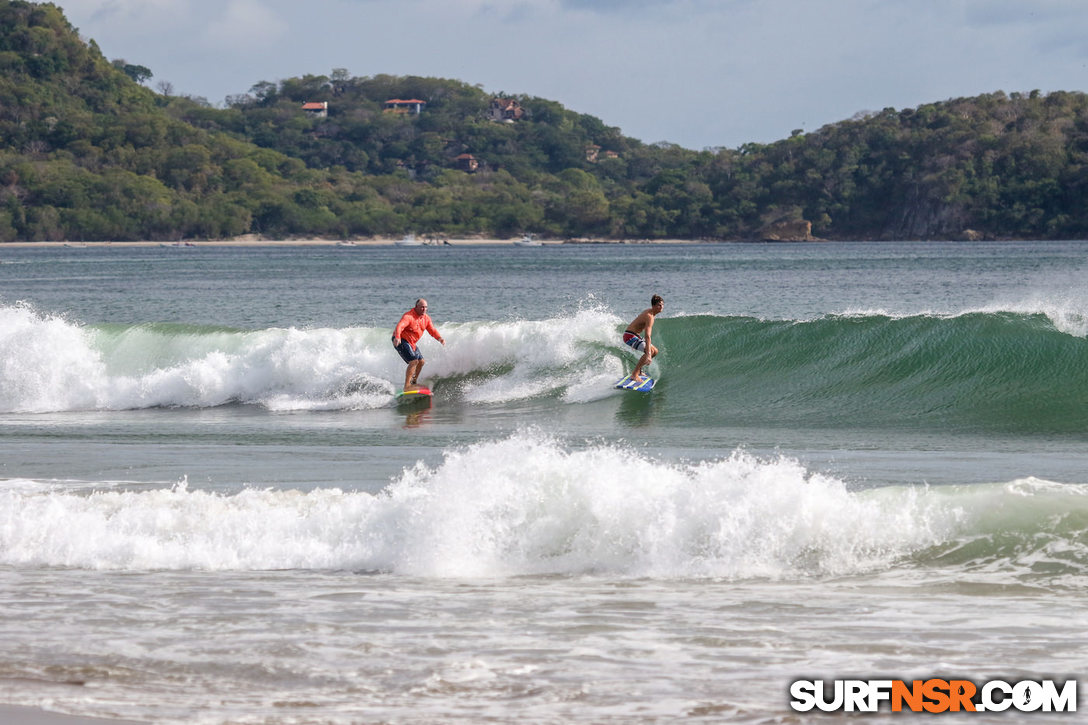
x=412, y=325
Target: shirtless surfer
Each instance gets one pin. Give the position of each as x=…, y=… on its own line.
x=637, y=334
x=411, y=327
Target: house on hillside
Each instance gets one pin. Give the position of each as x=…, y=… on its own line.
x=467, y=163
x=401, y=105
x=594, y=154
x=505, y=109
x=317, y=110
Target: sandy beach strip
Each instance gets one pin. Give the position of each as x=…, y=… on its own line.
x=18, y=715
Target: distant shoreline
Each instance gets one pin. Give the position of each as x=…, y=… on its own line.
x=470, y=242
x=252, y=241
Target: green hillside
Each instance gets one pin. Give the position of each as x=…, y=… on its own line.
x=87, y=153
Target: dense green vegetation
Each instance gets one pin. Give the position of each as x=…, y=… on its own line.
x=88, y=153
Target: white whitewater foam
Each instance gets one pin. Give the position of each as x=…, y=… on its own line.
x=46, y=363
x=521, y=505
x=51, y=364
x=1068, y=312
x=543, y=357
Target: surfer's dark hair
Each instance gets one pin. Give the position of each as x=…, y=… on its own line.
x=655, y=299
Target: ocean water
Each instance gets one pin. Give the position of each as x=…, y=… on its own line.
x=860, y=461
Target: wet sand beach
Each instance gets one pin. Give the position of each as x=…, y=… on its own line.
x=15, y=715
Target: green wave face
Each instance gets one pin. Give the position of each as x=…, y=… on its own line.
x=979, y=371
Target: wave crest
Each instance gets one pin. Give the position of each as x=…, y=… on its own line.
x=521, y=505
x=51, y=364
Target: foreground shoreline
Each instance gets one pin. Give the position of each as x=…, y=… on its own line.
x=23, y=715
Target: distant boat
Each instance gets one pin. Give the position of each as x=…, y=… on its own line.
x=527, y=240
x=346, y=244
x=409, y=240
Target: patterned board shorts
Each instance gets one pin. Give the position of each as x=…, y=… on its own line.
x=633, y=340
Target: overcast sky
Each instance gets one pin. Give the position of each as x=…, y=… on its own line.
x=698, y=73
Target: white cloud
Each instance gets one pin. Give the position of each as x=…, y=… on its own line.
x=126, y=12
x=695, y=72
x=245, y=25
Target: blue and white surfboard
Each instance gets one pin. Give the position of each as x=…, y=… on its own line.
x=645, y=385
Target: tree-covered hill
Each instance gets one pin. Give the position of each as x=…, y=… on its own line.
x=996, y=165
x=86, y=152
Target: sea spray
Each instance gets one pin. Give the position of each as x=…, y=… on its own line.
x=46, y=363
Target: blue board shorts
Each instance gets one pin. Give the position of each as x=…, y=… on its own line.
x=408, y=351
x=633, y=340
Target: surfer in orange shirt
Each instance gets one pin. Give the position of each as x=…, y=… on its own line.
x=411, y=327
x=637, y=335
